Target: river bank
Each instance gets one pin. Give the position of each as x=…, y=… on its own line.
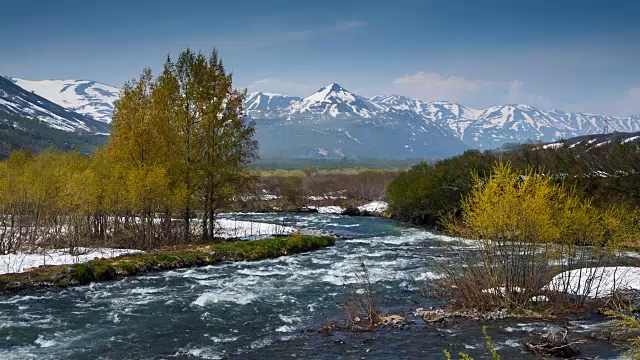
x=176, y=257
x=262, y=309
x=325, y=206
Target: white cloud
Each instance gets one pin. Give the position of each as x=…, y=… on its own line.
x=431, y=86
x=518, y=95
x=624, y=104
x=281, y=87
x=631, y=102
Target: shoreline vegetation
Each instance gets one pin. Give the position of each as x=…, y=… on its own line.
x=174, y=257
x=548, y=221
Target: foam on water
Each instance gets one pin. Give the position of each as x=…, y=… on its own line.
x=202, y=353
x=42, y=342
x=243, y=309
x=225, y=296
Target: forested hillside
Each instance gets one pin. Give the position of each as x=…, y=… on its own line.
x=605, y=168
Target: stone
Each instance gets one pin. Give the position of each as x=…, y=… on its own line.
x=395, y=321
x=351, y=211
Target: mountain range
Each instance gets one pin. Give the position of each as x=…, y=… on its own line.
x=334, y=122
x=86, y=97
x=28, y=120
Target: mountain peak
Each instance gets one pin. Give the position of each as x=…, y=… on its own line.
x=333, y=88
x=334, y=100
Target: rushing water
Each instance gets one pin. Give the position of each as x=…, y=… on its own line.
x=258, y=310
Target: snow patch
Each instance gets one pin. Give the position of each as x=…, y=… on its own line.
x=330, y=210
x=376, y=207
x=17, y=263
x=596, y=282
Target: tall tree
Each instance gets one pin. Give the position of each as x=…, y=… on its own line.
x=187, y=125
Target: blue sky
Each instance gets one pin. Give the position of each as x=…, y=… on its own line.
x=575, y=55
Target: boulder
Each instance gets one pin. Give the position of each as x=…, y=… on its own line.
x=307, y=209
x=395, y=321
x=554, y=343
x=352, y=211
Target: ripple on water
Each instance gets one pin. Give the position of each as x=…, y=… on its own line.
x=245, y=309
x=227, y=295
x=42, y=342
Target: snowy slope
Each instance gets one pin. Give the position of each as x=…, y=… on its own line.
x=25, y=110
x=85, y=97
x=333, y=100
x=331, y=122
x=494, y=126
x=261, y=101
x=334, y=122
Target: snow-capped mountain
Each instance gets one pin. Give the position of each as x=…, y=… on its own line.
x=332, y=122
x=27, y=111
x=264, y=101
x=399, y=126
x=85, y=97
x=494, y=126
x=335, y=123
x=333, y=101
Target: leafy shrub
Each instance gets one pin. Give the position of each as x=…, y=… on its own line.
x=625, y=324
x=524, y=221
x=426, y=192
x=82, y=273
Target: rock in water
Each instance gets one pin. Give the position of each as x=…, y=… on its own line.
x=351, y=211
x=554, y=343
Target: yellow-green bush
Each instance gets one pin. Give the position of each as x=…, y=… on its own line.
x=524, y=221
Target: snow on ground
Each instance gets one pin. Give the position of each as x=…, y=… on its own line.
x=374, y=207
x=552, y=146
x=330, y=210
x=502, y=290
x=596, y=282
x=325, y=197
x=16, y=263
x=228, y=229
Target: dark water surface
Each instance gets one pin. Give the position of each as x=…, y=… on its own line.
x=258, y=310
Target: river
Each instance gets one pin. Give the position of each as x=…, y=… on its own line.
x=257, y=310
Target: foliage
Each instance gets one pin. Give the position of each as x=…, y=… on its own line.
x=607, y=174
x=183, y=139
x=268, y=248
x=426, y=192
x=625, y=323
x=489, y=344
x=525, y=221
x=531, y=207
x=179, y=148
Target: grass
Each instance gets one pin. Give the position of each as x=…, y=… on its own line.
x=271, y=248
x=172, y=258
x=342, y=171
